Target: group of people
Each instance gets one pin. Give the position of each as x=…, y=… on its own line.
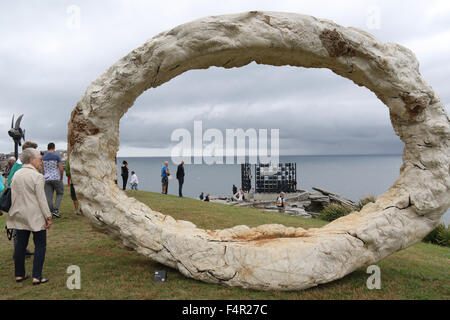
x=5, y=174
x=202, y=197
x=34, y=179
x=165, y=174
x=280, y=202
x=134, y=181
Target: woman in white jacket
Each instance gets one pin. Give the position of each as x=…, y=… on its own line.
x=29, y=213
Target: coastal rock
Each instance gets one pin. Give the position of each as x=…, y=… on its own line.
x=303, y=204
x=298, y=197
x=268, y=257
x=299, y=212
x=318, y=202
x=336, y=198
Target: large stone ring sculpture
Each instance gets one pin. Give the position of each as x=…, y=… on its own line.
x=272, y=256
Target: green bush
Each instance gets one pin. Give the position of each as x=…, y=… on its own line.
x=440, y=236
x=333, y=212
x=365, y=200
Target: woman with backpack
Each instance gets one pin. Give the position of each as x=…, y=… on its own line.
x=281, y=202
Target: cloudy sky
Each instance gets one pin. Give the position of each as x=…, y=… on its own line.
x=48, y=57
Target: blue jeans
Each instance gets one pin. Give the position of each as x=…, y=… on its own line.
x=134, y=186
x=40, y=246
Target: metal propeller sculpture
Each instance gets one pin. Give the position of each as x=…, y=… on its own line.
x=17, y=134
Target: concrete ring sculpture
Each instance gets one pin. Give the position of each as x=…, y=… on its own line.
x=270, y=257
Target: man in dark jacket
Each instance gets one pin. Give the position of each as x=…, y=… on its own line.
x=234, y=190
x=180, y=177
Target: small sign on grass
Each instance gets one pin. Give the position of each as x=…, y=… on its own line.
x=160, y=276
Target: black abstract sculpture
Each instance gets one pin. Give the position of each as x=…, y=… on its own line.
x=17, y=134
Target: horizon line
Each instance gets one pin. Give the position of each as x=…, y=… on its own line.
x=289, y=155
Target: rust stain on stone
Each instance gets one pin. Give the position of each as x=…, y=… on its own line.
x=415, y=105
x=79, y=128
x=335, y=44
x=263, y=236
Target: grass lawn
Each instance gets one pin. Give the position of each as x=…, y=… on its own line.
x=109, y=271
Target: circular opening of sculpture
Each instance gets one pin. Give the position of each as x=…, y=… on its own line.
x=270, y=257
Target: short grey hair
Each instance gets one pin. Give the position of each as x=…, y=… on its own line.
x=28, y=154
x=12, y=159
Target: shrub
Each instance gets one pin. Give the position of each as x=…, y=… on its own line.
x=365, y=200
x=333, y=212
x=440, y=236
x=444, y=237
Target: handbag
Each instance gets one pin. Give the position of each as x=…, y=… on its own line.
x=5, y=200
x=5, y=205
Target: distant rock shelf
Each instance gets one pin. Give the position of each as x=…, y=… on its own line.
x=301, y=203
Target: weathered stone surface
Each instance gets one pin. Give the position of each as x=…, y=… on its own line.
x=268, y=257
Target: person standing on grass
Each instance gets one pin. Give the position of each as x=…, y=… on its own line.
x=165, y=173
x=8, y=167
x=53, y=172
x=29, y=213
x=16, y=167
x=180, y=178
x=202, y=196
x=124, y=174
x=73, y=195
x=134, y=181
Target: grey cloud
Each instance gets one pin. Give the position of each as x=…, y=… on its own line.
x=46, y=68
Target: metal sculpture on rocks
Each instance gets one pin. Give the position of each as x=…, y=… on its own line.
x=269, y=257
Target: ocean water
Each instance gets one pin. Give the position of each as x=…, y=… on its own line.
x=350, y=176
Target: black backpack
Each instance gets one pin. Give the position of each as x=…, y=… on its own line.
x=5, y=200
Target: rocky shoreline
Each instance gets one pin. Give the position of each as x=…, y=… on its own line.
x=301, y=203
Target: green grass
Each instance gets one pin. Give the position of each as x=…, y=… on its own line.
x=109, y=271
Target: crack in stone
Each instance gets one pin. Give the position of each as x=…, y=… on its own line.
x=421, y=166
x=356, y=237
x=175, y=259
x=210, y=271
x=220, y=279
x=426, y=145
x=171, y=69
x=407, y=207
x=156, y=76
x=224, y=241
